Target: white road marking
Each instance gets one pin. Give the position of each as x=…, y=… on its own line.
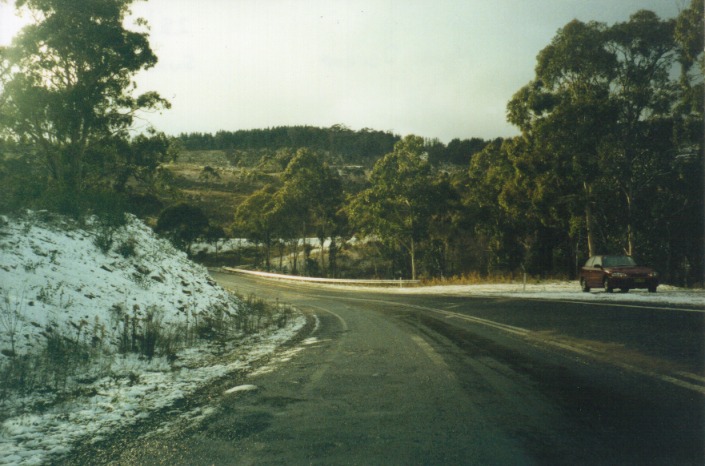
x=430, y=352
x=675, y=378
x=678, y=378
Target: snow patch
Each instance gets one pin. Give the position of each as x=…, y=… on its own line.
x=552, y=290
x=241, y=388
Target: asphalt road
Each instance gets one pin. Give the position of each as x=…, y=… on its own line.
x=402, y=379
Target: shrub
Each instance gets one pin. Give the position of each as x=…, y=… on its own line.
x=183, y=224
x=128, y=248
x=11, y=310
x=103, y=239
x=151, y=332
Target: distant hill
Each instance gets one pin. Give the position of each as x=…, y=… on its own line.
x=343, y=145
x=217, y=171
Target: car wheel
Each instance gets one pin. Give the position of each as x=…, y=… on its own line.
x=583, y=286
x=608, y=286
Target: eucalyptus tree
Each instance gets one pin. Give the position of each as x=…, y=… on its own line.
x=492, y=215
x=311, y=196
x=564, y=114
x=401, y=200
x=597, y=114
x=183, y=224
x=688, y=204
x=67, y=82
x=644, y=92
x=689, y=37
x=256, y=218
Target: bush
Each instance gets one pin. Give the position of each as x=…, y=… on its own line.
x=108, y=206
x=183, y=224
x=128, y=248
x=23, y=180
x=61, y=358
x=104, y=239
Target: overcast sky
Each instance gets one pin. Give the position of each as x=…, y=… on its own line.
x=434, y=68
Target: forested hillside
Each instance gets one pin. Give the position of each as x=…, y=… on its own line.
x=609, y=159
x=342, y=145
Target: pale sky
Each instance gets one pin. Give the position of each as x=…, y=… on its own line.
x=435, y=68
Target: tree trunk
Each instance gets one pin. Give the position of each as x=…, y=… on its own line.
x=332, y=256
x=281, y=245
x=630, y=230
x=295, y=255
x=589, y=220
x=323, y=256
x=413, y=259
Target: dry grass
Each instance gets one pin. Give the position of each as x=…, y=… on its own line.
x=475, y=278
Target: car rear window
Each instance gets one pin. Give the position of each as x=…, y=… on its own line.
x=618, y=261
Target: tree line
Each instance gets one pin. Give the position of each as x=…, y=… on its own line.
x=609, y=156
x=609, y=160
x=343, y=145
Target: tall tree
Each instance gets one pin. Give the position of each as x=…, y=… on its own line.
x=563, y=114
x=256, y=219
x=595, y=114
x=643, y=93
x=689, y=142
x=689, y=37
x=399, y=204
x=493, y=219
x=312, y=194
x=67, y=82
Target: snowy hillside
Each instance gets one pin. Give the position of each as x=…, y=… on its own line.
x=56, y=275
x=78, y=305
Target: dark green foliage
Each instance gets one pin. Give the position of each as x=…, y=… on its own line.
x=144, y=205
x=103, y=239
x=402, y=200
x=344, y=144
x=136, y=162
x=69, y=85
x=607, y=132
x=306, y=204
x=23, y=182
x=26, y=184
x=183, y=224
x=457, y=152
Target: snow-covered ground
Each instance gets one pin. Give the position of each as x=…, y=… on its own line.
x=567, y=291
x=546, y=290
x=56, y=280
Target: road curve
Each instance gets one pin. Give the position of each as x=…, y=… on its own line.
x=439, y=380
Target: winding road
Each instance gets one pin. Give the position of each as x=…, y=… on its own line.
x=380, y=378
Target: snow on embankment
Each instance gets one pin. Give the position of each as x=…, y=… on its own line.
x=57, y=276
x=71, y=297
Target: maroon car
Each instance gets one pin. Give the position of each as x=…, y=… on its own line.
x=610, y=272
